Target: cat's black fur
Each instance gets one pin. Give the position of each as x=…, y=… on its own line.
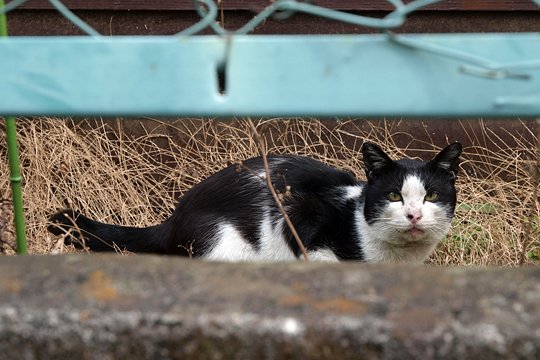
x=235, y=205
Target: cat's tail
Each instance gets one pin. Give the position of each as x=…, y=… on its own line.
x=83, y=232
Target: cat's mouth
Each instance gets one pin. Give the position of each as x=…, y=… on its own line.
x=415, y=233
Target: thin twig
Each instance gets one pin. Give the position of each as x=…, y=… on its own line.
x=535, y=177
x=262, y=150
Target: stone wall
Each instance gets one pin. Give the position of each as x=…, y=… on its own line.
x=148, y=307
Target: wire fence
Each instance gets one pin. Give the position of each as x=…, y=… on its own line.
x=471, y=64
x=278, y=9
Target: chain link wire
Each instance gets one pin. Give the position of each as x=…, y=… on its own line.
x=279, y=9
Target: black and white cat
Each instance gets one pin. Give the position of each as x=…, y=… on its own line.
x=399, y=215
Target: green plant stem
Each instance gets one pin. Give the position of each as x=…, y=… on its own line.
x=14, y=167
x=3, y=23
x=16, y=184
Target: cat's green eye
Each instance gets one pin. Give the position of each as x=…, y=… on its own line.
x=392, y=196
x=432, y=196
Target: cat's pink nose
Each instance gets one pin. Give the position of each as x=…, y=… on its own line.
x=414, y=216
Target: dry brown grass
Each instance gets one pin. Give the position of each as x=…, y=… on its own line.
x=136, y=181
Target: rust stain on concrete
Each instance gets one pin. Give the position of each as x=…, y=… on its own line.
x=335, y=304
x=341, y=305
x=99, y=287
x=11, y=286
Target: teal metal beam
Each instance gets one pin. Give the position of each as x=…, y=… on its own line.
x=350, y=75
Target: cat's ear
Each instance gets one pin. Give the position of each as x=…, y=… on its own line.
x=374, y=158
x=448, y=158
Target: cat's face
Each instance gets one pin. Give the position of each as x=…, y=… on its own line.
x=410, y=202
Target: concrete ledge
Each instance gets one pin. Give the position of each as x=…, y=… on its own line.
x=105, y=307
